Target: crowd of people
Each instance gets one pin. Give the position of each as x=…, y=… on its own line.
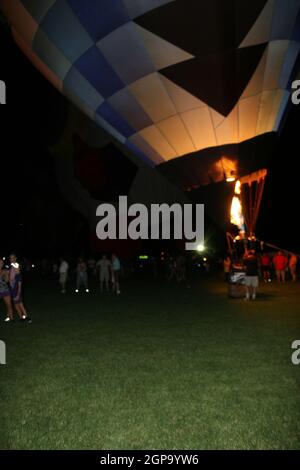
x=280, y=265
x=262, y=266
x=107, y=269
x=11, y=281
x=11, y=290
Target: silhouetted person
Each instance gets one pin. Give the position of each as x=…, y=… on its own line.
x=116, y=268
x=63, y=274
x=5, y=292
x=105, y=269
x=82, y=276
x=227, y=268
x=293, y=267
x=265, y=264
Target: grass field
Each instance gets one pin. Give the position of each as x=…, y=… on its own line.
x=159, y=367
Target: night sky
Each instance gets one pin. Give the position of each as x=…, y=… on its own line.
x=35, y=219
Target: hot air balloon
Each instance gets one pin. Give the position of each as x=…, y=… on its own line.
x=197, y=89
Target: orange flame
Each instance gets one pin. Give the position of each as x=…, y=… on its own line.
x=236, y=212
x=238, y=187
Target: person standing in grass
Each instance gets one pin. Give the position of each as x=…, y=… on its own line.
x=280, y=263
x=82, y=276
x=105, y=268
x=15, y=283
x=265, y=264
x=227, y=267
x=251, y=279
x=116, y=268
x=63, y=274
x=4, y=291
x=293, y=267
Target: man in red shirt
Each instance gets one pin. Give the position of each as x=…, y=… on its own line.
x=280, y=262
x=265, y=265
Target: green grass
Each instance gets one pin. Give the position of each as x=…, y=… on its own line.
x=159, y=367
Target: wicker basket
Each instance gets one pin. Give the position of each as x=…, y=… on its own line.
x=236, y=291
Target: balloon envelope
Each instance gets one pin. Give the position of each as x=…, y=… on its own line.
x=181, y=83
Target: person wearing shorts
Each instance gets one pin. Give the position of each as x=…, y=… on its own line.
x=105, y=267
x=280, y=263
x=15, y=283
x=4, y=292
x=251, y=278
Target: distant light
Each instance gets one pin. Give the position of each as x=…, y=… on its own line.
x=15, y=265
x=204, y=259
x=143, y=257
x=32, y=266
x=87, y=290
x=4, y=258
x=76, y=290
x=200, y=248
